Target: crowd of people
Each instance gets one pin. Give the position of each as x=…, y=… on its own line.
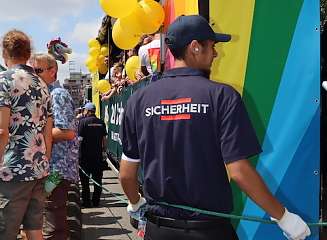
x=25, y=141
x=42, y=144
x=184, y=130
x=148, y=51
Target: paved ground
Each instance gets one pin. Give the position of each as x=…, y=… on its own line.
x=110, y=220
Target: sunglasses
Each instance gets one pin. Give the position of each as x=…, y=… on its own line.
x=41, y=70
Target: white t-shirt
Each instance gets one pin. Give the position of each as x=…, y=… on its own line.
x=149, y=55
x=111, y=72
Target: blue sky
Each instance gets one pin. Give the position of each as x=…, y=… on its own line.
x=75, y=21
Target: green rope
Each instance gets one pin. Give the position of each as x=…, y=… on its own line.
x=211, y=213
x=223, y=215
x=232, y=216
x=105, y=189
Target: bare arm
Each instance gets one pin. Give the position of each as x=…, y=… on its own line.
x=4, y=129
x=48, y=136
x=252, y=184
x=109, y=94
x=59, y=135
x=128, y=179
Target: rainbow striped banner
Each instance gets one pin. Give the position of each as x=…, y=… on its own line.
x=274, y=62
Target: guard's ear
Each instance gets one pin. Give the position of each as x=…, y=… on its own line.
x=195, y=46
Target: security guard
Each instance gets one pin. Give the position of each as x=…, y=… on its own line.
x=184, y=129
x=92, y=133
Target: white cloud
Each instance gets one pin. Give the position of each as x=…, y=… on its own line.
x=83, y=31
x=18, y=10
x=64, y=18
x=54, y=25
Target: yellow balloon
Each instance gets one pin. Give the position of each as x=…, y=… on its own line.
x=132, y=23
x=100, y=60
x=104, y=50
x=93, y=43
x=118, y=8
x=122, y=39
x=90, y=62
x=94, y=52
x=154, y=16
x=132, y=65
x=103, y=86
x=93, y=68
x=103, y=69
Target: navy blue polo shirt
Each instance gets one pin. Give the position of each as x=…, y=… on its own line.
x=92, y=130
x=183, y=129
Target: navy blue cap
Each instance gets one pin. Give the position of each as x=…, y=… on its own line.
x=90, y=106
x=185, y=29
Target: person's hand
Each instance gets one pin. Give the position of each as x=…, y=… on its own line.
x=293, y=227
x=134, y=210
x=139, y=75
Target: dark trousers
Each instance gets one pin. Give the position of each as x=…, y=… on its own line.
x=55, y=214
x=222, y=231
x=96, y=174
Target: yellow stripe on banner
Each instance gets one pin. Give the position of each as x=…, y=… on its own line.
x=233, y=17
x=192, y=7
x=95, y=94
x=179, y=6
x=186, y=7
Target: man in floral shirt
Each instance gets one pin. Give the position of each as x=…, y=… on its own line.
x=25, y=142
x=64, y=158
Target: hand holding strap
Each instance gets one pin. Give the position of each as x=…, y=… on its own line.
x=293, y=227
x=135, y=207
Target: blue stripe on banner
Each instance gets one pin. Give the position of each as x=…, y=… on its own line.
x=294, y=108
x=305, y=167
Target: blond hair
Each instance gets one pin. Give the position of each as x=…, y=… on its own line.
x=44, y=58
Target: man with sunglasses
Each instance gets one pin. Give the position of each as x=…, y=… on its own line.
x=64, y=158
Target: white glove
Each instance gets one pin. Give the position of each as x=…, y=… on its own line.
x=293, y=227
x=324, y=85
x=134, y=210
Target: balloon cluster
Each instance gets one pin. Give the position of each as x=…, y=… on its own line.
x=132, y=66
x=96, y=59
x=103, y=86
x=133, y=20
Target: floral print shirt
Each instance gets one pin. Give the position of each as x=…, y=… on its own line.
x=64, y=158
x=29, y=101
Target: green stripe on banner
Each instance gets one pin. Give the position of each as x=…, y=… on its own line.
x=272, y=32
